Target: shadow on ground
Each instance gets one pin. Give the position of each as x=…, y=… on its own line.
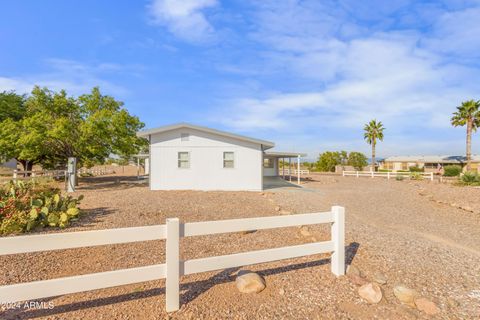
x=111, y=182
x=190, y=290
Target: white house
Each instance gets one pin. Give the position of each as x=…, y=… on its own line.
x=190, y=157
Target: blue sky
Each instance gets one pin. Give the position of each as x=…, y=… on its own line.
x=305, y=74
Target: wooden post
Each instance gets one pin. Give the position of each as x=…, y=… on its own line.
x=338, y=238
x=173, y=265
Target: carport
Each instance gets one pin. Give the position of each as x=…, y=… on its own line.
x=271, y=164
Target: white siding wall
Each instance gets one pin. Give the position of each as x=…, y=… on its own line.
x=206, y=170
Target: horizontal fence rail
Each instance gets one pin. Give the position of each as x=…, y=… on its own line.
x=19, y=174
x=388, y=175
x=295, y=171
x=173, y=268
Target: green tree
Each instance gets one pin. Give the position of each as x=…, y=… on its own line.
x=12, y=106
x=373, y=131
x=357, y=160
x=328, y=160
x=56, y=126
x=468, y=113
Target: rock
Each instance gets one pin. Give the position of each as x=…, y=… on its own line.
x=452, y=302
x=371, y=292
x=351, y=269
x=357, y=279
x=249, y=282
x=454, y=205
x=405, y=295
x=426, y=306
x=304, y=231
x=277, y=208
x=281, y=291
x=380, y=278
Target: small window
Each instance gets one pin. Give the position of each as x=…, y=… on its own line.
x=185, y=137
x=228, y=159
x=268, y=163
x=184, y=160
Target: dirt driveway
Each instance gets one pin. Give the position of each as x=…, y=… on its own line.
x=395, y=228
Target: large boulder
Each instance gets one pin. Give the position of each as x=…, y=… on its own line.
x=426, y=306
x=405, y=295
x=249, y=282
x=371, y=292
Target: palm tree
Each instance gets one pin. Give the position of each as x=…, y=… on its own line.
x=468, y=114
x=373, y=131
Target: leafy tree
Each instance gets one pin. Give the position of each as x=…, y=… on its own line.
x=56, y=126
x=12, y=106
x=328, y=160
x=357, y=160
x=468, y=113
x=373, y=131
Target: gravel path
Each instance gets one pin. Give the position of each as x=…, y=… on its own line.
x=393, y=227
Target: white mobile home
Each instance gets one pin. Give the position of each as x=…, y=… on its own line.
x=189, y=157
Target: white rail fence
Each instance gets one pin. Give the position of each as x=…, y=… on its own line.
x=388, y=175
x=19, y=174
x=295, y=171
x=173, y=268
x=95, y=171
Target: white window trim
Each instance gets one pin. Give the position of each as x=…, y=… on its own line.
x=178, y=160
x=223, y=159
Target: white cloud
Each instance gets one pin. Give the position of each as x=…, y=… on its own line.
x=185, y=18
x=76, y=78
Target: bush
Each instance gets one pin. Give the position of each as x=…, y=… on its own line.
x=470, y=178
x=27, y=205
x=452, y=171
x=416, y=176
x=416, y=169
x=399, y=177
x=384, y=170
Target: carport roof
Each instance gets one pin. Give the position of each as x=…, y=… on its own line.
x=266, y=144
x=280, y=154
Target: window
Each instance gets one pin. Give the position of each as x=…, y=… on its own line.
x=228, y=159
x=184, y=160
x=268, y=163
x=185, y=137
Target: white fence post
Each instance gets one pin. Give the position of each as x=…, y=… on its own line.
x=15, y=174
x=173, y=265
x=388, y=175
x=357, y=174
x=371, y=172
x=338, y=238
x=431, y=176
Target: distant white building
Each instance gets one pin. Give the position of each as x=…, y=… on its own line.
x=190, y=157
x=428, y=163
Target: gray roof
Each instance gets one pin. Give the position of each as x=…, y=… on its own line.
x=432, y=159
x=146, y=133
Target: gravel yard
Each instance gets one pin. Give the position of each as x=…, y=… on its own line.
x=420, y=234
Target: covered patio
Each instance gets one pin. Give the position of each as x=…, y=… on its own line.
x=271, y=165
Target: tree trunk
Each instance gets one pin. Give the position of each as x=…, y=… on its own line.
x=374, y=168
x=469, y=143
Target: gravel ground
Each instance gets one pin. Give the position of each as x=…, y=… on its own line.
x=396, y=228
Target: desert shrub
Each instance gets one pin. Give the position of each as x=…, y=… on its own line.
x=416, y=169
x=452, y=171
x=399, y=177
x=470, y=178
x=27, y=205
x=384, y=170
x=416, y=176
